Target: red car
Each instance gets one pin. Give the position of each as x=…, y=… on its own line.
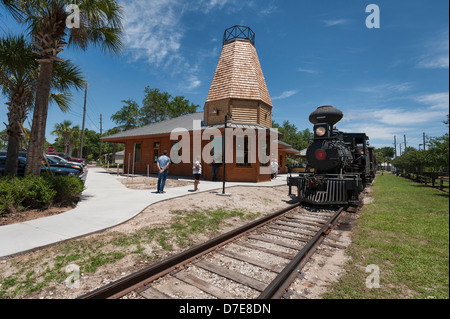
x=67, y=157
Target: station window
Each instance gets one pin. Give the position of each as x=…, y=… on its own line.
x=155, y=155
x=242, y=153
x=156, y=146
x=137, y=153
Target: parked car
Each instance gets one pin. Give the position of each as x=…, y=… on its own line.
x=61, y=162
x=64, y=164
x=69, y=158
x=21, y=153
x=21, y=168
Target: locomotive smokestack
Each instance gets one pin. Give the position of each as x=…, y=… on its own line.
x=326, y=114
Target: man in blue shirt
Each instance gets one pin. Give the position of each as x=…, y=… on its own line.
x=163, y=169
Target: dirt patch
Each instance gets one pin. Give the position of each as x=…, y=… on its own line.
x=248, y=199
x=151, y=182
x=20, y=217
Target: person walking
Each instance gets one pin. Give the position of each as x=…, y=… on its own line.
x=163, y=170
x=197, y=171
x=274, y=168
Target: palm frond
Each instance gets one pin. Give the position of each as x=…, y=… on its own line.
x=63, y=100
x=13, y=7
x=67, y=76
x=100, y=25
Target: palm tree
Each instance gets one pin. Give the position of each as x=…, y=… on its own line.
x=75, y=135
x=18, y=77
x=18, y=71
x=99, y=25
x=64, y=130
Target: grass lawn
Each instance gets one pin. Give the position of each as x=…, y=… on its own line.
x=405, y=233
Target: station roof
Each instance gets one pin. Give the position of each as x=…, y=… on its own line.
x=184, y=122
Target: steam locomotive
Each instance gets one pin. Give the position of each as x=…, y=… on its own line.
x=340, y=164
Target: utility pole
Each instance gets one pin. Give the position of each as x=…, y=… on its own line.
x=424, y=141
x=101, y=132
x=224, y=156
x=395, y=146
x=404, y=136
x=84, y=120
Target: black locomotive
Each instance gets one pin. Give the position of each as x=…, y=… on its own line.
x=340, y=164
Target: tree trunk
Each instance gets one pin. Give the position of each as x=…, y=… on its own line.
x=12, y=154
x=17, y=112
x=37, y=136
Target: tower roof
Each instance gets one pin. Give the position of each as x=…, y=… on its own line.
x=238, y=73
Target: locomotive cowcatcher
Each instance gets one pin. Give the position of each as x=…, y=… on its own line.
x=339, y=165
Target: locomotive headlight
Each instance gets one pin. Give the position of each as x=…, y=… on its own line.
x=321, y=131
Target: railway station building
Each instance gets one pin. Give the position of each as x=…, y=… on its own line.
x=234, y=128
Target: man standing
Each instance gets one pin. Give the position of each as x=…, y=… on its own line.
x=197, y=171
x=163, y=169
x=215, y=168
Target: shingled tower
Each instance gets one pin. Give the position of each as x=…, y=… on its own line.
x=238, y=87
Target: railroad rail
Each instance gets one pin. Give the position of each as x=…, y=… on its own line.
x=296, y=231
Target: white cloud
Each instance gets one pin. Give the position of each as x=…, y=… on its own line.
x=330, y=23
x=435, y=106
x=436, y=101
x=437, y=55
x=403, y=117
x=193, y=82
x=386, y=88
x=436, y=62
x=152, y=30
x=285, y=95
x=374, y=131
x=267, y=10
x=310, y=71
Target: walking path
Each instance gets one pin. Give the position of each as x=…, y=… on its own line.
x=105, y=203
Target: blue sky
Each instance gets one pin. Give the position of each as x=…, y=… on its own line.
x=387, y=81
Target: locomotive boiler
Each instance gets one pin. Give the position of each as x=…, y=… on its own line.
x=339, y=165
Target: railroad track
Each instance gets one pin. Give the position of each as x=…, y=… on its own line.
x=257, y=260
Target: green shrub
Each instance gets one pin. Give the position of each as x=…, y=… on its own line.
x=6, y=195
x=68, y=189
x=34, y=192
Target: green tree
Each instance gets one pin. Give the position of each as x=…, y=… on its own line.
x=290, y=134
x=180, y=106
x=18, y=70
x=99, y=25
x=91, y=144
x=155, y=106
x=384, y=154
x=64, y=131
x=128, y=117
x=3, y=139
x=18, y=78
x=439, y=152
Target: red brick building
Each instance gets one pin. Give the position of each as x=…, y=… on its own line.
x=239, y=93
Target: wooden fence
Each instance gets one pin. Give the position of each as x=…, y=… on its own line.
x=438, y=180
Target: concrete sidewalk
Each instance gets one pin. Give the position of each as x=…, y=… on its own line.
x=105, y=203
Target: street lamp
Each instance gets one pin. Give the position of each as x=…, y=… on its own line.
x=223, y=154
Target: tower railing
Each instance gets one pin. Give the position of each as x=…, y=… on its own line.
x=238, y=32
